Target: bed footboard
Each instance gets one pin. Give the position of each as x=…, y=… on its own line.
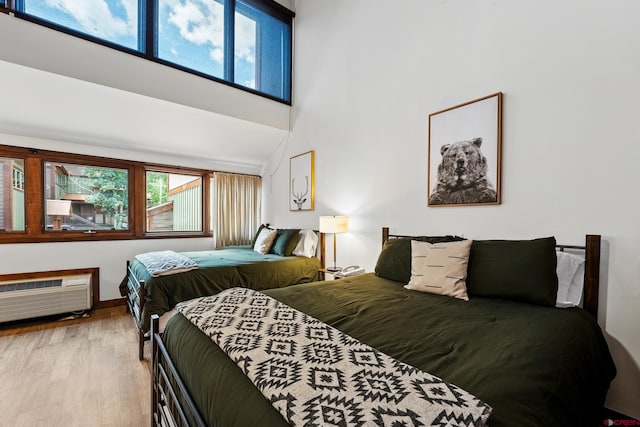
x=136, y=295
x=171, y=403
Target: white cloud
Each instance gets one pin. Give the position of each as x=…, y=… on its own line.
x=217, y=54
x=131, y=7
x=96, y=17
x=250, y=84
x=245, y=41
x=200, y=22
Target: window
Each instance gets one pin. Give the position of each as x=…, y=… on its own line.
x=262, y=49
x=114, y=21
x=245, y=43
x=245, y=50
x=81, y=197
x=68, y=197
x=191, y=34
x=12, y=206
x=18, y=177
x=174, y=202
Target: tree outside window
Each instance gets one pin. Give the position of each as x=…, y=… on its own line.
x=98, y=196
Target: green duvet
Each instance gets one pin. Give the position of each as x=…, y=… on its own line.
x=536, y=366
x=218, y=270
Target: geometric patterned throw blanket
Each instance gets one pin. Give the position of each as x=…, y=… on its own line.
x=315, y=375
x=163, y=263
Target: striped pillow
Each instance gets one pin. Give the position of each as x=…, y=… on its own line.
x=440, y=268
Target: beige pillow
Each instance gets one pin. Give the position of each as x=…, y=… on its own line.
x=307, y=244
x=265, y=240
x=440, y=268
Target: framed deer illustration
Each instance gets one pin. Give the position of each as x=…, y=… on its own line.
x=301, y=182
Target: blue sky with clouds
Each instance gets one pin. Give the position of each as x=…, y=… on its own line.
x=191, y=32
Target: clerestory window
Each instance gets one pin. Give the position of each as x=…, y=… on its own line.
x=243, y=43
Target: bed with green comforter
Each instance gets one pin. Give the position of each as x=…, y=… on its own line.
x=534, y=365
x=217, y=270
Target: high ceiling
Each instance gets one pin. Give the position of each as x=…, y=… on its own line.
x=41, y=104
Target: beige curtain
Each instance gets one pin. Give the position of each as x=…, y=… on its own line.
x=236, y=208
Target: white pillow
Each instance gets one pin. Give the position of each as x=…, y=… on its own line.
x=265, y=240
x=440, y=268
x=570, y=271
x=307, y=244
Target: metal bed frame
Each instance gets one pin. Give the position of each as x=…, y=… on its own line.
x=172, y=405
x=137, y=294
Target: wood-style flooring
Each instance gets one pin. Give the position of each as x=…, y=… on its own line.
x=82, y=372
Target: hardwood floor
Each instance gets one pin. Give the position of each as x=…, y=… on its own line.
x=82, y=372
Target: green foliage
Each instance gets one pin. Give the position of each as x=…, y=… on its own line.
x=109, y=191
x=157, y=188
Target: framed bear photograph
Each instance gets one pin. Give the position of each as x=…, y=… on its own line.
x=465, y=153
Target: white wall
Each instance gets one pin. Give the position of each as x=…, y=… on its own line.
x=38, y=47
x=369, y=72
x=109, y=256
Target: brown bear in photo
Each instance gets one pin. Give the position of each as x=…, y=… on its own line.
x=462, y=175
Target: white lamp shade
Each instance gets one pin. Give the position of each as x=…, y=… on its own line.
x=58, y=207
x=334, y=224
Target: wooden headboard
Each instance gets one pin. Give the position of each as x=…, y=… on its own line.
x=591, y=251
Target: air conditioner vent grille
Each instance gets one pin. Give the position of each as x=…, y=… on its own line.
x=44, y=296
x=36, y=284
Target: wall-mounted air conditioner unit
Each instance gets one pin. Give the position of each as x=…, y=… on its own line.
x=24, y=299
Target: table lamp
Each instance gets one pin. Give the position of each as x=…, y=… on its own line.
x=334, y=224
x=57, y=209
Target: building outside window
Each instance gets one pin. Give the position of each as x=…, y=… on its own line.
x=12, y=207
x=174, y=202
x=83, y=197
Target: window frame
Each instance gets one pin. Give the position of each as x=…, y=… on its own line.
x=63, y=180
x=148, y=34
x=206, y=199
x=35, y=229
x=279, y=13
